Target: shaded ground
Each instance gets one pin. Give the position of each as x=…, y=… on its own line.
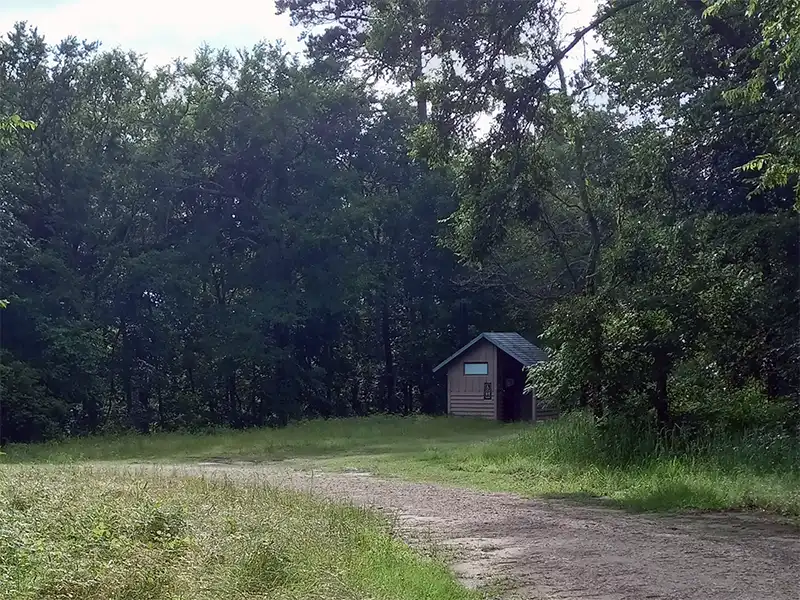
x=522, y=548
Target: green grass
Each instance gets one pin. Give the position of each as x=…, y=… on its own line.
x=79, y=533
x=320, y=438
x=568, y=458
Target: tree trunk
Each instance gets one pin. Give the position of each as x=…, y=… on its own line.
x=408, y=399
x=331, y=405
x=262, y=403
x=428, y=400
x=355, y=400
x=160, y=407
x=594, y=388
x=595, y=337
x=592, y=395
x=91, y=414
x=416, y=78
x=144, y=407
x=592, y=225
x=233, y=401
x=590, y=283
x=127, y=372
x=660, y=399
x=211, y=402
x=388, y=358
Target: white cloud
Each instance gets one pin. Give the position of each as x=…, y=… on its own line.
x=160, y=29
x=167, y=29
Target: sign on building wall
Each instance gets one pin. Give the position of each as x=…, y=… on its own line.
x=487, y=390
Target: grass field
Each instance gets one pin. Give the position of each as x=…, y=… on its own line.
x=378, y=435
x=81, y=533
x=567, y=458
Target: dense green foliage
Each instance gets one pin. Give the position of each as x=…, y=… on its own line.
x=90, y=534
x=246, y=239
x=238, y=240
x=621, y=204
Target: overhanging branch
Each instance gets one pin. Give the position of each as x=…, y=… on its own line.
x=559, y=55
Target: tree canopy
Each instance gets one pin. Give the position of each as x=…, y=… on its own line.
x=251, y=237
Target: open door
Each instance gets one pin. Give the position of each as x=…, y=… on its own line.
x=512, y=402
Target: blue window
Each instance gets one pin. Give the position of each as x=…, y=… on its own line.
x=475, y=368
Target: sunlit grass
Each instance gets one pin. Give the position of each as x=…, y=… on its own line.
x=318, y=438
x=570, y=457
x=89, y=534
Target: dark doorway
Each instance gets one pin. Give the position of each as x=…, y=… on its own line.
x=512, y=402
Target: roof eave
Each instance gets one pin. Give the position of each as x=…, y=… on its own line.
x=458, y=352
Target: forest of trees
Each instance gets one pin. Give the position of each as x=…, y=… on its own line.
x=252, y=237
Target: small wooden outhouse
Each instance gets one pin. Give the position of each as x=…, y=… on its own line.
x=486, y=378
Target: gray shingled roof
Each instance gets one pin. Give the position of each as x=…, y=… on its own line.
x=509, y=342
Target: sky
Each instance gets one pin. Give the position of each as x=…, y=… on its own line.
x=163, y=30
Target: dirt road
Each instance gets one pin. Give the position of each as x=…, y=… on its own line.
x=557, y=550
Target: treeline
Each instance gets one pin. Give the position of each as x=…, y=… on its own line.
x=237, y=240
x=247, y=238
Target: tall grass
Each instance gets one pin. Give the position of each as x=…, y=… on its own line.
x=576, y=439
x=634, y=466
x=87, y=534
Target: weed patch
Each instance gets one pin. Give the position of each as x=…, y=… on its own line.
x=80, y=533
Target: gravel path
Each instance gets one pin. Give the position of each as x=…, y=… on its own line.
x=556, y=550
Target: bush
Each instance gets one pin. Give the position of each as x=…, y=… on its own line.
x=29, y=411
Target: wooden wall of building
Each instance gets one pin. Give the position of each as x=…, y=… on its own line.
x=465, y=393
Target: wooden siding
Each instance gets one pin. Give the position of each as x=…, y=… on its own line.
x=546, y=414
x=542, y=413
x=465, y=392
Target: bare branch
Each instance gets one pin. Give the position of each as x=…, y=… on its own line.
x=580, y=34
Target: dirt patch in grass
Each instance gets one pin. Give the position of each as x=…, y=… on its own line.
x=515, y=547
